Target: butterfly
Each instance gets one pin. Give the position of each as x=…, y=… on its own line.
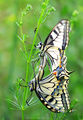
x=52, y=93
x=52, y=90
x=55, y=44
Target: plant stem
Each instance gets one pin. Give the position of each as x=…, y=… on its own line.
x=29, y=59
x=22, y=114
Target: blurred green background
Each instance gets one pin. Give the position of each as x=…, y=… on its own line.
x=13, y=63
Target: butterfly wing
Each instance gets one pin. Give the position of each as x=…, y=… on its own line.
x=59, y=36
x=53, y=94
x=56, y=42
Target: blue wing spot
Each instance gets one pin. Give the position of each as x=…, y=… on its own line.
x=57, y=86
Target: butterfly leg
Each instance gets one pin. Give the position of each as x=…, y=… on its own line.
x=35, y=60
x=28, y=99
x=48, y=65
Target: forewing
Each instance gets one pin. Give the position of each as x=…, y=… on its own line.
x=59, y=36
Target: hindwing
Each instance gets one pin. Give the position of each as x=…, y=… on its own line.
x=53, y=93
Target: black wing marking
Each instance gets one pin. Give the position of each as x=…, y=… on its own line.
x=59, y=35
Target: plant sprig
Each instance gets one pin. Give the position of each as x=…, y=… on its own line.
x=45, y=11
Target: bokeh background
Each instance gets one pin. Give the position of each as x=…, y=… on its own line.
x=13, y=63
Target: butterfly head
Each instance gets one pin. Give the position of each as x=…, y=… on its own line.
x=39, y=45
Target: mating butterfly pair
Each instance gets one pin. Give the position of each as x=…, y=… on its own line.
x=52, y=90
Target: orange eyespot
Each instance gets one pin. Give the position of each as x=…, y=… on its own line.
x=54, y=73
x=60, y=66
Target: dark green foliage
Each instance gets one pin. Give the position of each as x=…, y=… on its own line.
x=17, y=23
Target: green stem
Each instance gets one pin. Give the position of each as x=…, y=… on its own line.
x=29, y=59
x=22, y=114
